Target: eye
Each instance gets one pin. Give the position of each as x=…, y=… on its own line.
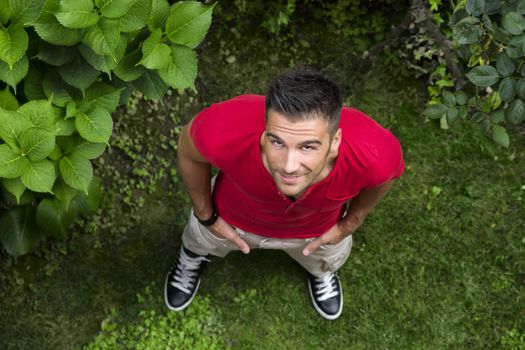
x=276, y=143
x=309, y=148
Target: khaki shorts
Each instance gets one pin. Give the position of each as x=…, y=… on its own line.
x=327, y=258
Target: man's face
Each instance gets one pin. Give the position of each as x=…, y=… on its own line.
x=297, y=152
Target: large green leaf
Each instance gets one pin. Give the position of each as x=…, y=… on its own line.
x=5, y=12
x=475, y=7
x=114, y=8
x=77, y=13
x=64, y=192
x=452, y=114
x=12, y=164
x=37, y=143
x=103, y=95
x=39, y=112
x=483, y=76
x=24, y=12
x=88, y=150
x=78, y=73
x=90, y=202
x=181, y=73
x=467, y=31
x=520, y=88
x=104, y=63
x=492, y=7
x=507, y=89
x=436, y=111
x=151, y=85
x=50, y=30
x=188, y=23
x=500, y=135
x=448, y=98
x=103, y=37
x=7, y=100
x=461, y=97
x=53, y=217
x=514, y=23
x=498, y=116
x=12, y=125
x=50, y=6
x=55, y=55
x=39, y=176
x=127, y=68
x=18, y=230
x=65, y=127
x=94, y=125
x=504, y=65
x=56, y=88
x=15, y=187
x=137, y=16
x=155, y=54
x=76, y=171
x=515, y=112
x=160, y=10
x=33, y=84
x=13, y=44
x=13, y=76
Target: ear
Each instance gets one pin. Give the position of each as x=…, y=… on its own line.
x=263, y=136
x=336, y=141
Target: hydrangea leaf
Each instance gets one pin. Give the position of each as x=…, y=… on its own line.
x=13, y=44
x=76, y=171
x=188, y=23
x=155, y=54
x=94, y=125
x=77, y=14
x=39, y=176
x=182, y=71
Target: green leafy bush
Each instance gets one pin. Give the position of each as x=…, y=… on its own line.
x=197, y=328
x=65, y=66
x=489, y=40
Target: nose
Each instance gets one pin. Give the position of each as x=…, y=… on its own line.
x=291, y=162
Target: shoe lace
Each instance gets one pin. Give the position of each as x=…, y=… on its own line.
x=186, y=271
x=326, y=287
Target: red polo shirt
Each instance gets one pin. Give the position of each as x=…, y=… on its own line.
x=228, y=135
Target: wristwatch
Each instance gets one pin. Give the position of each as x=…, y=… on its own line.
x=209, y=221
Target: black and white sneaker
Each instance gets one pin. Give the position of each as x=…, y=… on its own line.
x=326, y=294
x=183, y=280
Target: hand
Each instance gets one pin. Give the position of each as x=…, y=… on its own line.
x=332, y=236
x=224, y=230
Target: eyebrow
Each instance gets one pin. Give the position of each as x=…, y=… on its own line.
x=304, y=143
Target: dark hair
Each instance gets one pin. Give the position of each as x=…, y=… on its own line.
x=305, y=94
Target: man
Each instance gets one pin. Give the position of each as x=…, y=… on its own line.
x=289, y=165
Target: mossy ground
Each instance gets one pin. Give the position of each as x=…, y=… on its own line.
x=440, y=264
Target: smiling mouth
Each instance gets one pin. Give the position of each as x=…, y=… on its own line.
x=289, y=179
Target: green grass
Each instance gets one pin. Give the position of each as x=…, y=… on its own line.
x=440, y=264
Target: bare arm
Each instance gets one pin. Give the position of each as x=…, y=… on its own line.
x=359, y=208
x=195, y=171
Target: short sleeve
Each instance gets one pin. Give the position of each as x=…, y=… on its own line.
x=389, y=164
x=204, y=133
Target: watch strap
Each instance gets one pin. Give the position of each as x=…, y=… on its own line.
x=209, y=221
